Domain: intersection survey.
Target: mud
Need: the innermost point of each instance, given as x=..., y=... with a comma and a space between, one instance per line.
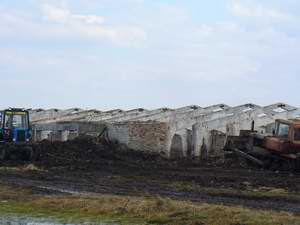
x=82, y=167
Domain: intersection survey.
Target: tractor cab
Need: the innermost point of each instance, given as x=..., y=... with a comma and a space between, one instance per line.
x=286, y=137
x=14, y=126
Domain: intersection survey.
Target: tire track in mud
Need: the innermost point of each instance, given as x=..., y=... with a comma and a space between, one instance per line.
x=136, y=188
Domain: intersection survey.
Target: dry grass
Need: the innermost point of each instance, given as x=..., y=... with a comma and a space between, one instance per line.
x=248, y=192
x=8, y=193
x=24, y=168
x=129, y=210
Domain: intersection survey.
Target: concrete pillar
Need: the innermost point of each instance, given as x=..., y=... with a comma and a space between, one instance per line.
x=201, y=140
x=176, y=147
x=189, y=152
x=196, y=140
x=201, y=137
x=65, y=135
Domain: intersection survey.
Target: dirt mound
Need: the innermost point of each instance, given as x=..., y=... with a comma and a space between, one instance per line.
x=85, y=152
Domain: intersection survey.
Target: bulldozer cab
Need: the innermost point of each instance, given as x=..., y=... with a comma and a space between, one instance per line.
x=1, y=126
x=282, y=129
x=15, y=127
x=288, y=130
x=286, y=137
x=295, y=134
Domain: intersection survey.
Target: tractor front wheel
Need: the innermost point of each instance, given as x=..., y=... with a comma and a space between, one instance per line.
x=3, y=153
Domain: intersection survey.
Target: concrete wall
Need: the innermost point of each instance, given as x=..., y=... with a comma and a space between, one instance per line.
x=233, y=124
x=52, y=114
x=44, y=115
x=124, y=116
x=63, y=131
x=176, y=133
x=230, y=125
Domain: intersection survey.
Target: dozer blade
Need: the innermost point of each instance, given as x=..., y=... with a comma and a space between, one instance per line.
x=249, y=157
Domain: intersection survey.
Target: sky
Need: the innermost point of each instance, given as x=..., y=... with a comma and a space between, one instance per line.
x=126, y=54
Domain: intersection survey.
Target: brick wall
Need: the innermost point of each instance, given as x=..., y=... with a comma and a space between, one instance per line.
x=149, y=137
x=141, y=136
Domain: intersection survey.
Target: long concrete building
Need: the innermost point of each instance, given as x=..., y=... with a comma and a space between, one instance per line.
x=182, y=132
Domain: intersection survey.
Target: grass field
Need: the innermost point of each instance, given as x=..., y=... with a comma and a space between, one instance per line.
x=132, y=210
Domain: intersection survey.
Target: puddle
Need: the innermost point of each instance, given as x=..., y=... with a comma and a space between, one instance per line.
x=12, y=220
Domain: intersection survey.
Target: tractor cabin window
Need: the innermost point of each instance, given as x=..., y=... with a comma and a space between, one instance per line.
x=1, y=120
x=283, y=130
x=19, y=121
x=7, y=122
x=16, y=120
x=297, y=134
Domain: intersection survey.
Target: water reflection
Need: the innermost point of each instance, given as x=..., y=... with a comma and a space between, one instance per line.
x=30, y=221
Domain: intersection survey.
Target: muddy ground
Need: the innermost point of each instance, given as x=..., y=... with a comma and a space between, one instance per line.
x=83, y=167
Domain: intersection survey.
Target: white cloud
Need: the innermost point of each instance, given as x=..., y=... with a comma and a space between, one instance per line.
x=64, y=15
x=62, y=23
x=89, y=19
x=55, y=14
x=90, y=26
x=251, y=9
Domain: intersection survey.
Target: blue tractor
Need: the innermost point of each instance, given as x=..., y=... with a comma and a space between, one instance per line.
x=15, y=135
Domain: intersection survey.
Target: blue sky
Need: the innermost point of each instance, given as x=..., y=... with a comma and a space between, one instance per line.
x=148, y=53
